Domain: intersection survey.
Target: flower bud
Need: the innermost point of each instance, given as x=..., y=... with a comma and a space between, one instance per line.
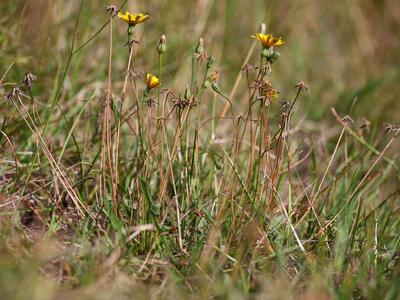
x=187, y=94
x=266, y=52
x=162, y=45
x=210, y=62
x=200, y=47
x=273, y=57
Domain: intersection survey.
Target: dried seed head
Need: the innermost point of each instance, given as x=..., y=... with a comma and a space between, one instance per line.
x=111, y=9
x=388, y=127
x=28, y=79
x=365, y=124
x=15, y=92
x=392, y=129
x=267, y=91
x=301, y=86
x=347, y=119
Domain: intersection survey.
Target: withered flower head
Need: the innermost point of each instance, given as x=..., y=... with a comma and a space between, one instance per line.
x=199, y=53
x=15, y=92
x=267, y=91
x=347, y=119
x=28, y=79
x=302, y=86
x=392, y=129
x=366, y=124
x=112, y=9
x=213, y=76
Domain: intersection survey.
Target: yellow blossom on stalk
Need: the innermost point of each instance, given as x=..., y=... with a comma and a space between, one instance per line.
x=131, y=19
x=267, y=40
x=151, y=81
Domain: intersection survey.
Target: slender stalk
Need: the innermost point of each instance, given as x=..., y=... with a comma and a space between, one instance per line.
x=107, y=156
x=124, y=91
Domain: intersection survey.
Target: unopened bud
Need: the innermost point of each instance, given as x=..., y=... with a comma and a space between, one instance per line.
x=162, y=45
x=210, y=62
x=187, y=95
x=274, y=57
x=267, y=52
x=200, y=47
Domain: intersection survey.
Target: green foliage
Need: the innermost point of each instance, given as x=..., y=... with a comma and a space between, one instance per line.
x=206, y=186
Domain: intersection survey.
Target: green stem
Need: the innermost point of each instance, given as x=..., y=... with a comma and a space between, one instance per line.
x=197, y=125
x=159, y=87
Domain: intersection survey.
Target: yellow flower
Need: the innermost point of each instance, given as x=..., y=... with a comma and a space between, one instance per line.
x=132, y=20
x=151, y=81
x=267, y=40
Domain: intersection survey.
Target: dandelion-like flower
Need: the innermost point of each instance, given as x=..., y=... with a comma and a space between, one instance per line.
x=267, y=40
x=151, y=81
x=132, y=19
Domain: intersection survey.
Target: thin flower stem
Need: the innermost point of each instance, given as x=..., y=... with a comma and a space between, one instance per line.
x=160, y=62
x=195, y=158
x=124, y=90
x=160, y=113
x=107, y=129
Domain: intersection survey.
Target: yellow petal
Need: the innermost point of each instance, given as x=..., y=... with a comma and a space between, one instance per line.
x=132, y=19
x=124, y=17
x=268, y=40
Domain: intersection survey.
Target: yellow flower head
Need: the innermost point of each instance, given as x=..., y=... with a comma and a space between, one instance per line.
x=151, y=81
x=131, y=19
x=267, y=40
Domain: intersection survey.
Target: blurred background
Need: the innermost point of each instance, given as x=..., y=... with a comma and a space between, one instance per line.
x=345, y=50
